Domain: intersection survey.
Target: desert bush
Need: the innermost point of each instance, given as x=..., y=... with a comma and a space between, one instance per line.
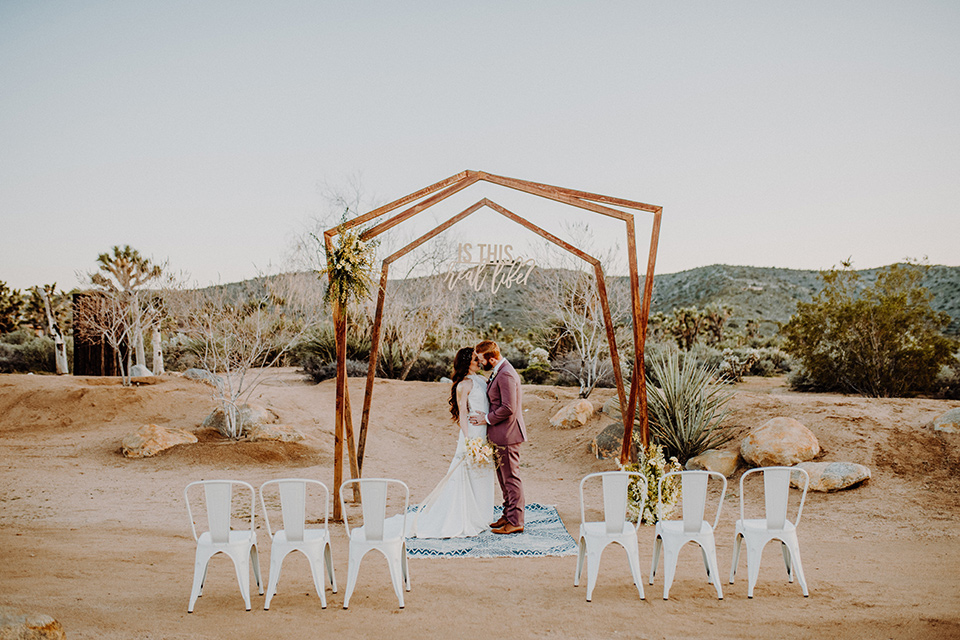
x=537, y=373
x=948, y=380
x=320, y=371
x=432, y=365
x=320, y=346
x=686, y=408
x=883, y=341
x=23, y=352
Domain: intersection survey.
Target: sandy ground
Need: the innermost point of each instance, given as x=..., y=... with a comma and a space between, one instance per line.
x=103, y=543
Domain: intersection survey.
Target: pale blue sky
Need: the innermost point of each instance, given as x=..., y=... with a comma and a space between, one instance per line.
x=788, y=134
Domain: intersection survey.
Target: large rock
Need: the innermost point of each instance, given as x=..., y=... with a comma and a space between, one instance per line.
x=779, y=442
x=725, y=462
x=251, y=416
x=140, y=371
x=16, y=625
x=609, y=442
x=948, y=422
x=612, y=408
x=204, y=376
x=574, y=415
x=830, y=476
x=150, y=440
x=273, y=432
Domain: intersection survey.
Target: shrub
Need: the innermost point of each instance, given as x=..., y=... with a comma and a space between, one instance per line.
x=883, y=341
x=33, y=355
x=320, y=371
x=537, y=373
x=686, y=410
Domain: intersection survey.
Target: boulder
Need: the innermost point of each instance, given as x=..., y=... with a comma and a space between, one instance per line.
x=608, y=443
x=574, y=415
x=779, y=442
x=204, y=376
x=830, y=476
x=273, y=432
x=251, y=416
x=17, y=625
x=725, y=462
x=612, y=408
x=140, y=371
x=150, y=440
x=948, y=422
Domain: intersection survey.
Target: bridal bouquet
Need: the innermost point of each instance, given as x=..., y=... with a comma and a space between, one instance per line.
x=480, y=452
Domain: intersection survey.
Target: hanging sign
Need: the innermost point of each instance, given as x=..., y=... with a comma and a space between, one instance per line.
x=488, y=266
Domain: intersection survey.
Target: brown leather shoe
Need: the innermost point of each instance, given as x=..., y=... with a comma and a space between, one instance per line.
x=509, y=528
x=499, y=523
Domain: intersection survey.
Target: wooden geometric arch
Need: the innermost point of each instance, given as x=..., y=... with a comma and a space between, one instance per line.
x=640, y=308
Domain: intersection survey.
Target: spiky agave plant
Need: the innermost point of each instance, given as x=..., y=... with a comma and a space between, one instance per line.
x=687, y=407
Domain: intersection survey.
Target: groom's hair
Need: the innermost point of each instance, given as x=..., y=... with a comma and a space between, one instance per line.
x=488, y=348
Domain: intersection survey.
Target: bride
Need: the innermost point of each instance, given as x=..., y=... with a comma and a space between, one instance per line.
x=461, y=505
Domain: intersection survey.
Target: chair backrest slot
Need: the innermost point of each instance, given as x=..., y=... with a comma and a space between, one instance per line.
x=373, y=495
x=293, y=505
x=694, y=488
x=218, y=497
x=776, y=491
x=614, y=501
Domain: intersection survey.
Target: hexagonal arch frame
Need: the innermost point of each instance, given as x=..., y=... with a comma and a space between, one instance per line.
x=636, y=405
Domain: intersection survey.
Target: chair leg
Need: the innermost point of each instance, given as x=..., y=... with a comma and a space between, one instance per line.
x=669, y=567
x=709, y=550
x=276, y=562
x=406, y=568
x=242, y=566
x=353, y=567
x=199, y=575
x=255, y=561
x=396, y=576
x=706, y=565
x=794, y=548
x=657, y=545
x=317, y=571
x=633, y=557
x=754, y=554
x=786, y=560
x=581, y=552
x=737, y=540
x=593, y=570
x=328, y=561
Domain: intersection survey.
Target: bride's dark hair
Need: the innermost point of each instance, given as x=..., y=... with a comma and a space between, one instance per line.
x=461, y=367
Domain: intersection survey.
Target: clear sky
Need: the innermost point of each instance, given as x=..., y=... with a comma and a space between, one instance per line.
x=773, y=133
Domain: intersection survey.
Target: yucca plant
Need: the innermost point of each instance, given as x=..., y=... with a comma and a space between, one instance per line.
x=686, y=407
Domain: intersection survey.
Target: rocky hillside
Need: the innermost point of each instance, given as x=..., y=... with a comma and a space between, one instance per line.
x=765, y=293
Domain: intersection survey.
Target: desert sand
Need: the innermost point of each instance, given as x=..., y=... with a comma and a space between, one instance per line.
x=103, y=543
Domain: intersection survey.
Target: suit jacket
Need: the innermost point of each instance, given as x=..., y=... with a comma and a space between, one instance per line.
x=505, y=419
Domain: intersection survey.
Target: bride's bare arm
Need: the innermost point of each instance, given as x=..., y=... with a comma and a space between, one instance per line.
x=463, y=390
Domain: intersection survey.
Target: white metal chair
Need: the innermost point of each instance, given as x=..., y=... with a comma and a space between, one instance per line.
x=671, y=535
x=386, y=535
x=239, y=545
x=595, y=536
x=756, y=533
x=295, y=536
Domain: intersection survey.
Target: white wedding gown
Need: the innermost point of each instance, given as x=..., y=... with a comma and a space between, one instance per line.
x=462, y=504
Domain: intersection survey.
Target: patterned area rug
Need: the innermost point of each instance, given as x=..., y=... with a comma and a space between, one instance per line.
x=543, y=535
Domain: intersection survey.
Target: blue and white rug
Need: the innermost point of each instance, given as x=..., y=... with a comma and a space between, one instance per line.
x=543, y=535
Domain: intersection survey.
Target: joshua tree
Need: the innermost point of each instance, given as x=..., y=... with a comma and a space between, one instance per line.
x=11, y=303
x=124, y=275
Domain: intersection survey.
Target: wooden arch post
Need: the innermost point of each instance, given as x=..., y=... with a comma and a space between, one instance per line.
x=437, y=192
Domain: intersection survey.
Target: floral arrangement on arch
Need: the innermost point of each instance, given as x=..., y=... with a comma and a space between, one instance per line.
x=480, y=452
x=349, y=266
x=653, y=465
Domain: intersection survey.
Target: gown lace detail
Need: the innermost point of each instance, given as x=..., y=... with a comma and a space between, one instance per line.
x=461, y=505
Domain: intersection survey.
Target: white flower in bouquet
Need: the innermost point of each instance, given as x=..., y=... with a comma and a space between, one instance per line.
x=480, y=452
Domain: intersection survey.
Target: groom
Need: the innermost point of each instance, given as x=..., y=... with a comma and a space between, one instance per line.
x=505, y=429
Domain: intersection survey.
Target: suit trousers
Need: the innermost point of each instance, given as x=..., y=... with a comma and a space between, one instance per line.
x=508, y=470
